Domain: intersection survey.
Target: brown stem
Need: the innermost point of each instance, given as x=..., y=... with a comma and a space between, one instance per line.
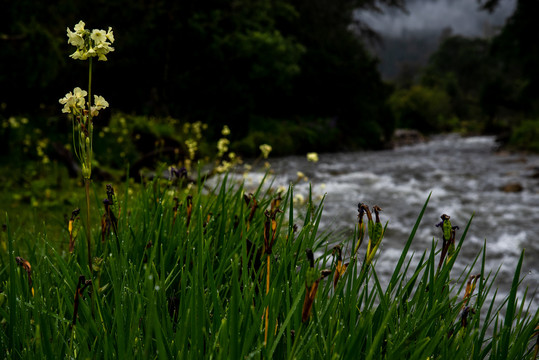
x=267, y=307
x=88, y=235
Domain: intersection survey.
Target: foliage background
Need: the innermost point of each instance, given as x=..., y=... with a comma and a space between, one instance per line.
x=221, y=62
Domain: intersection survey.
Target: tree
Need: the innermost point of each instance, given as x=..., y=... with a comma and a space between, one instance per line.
x=217, y=61
x=338, y=76
x=517, y=47
x=461, y=67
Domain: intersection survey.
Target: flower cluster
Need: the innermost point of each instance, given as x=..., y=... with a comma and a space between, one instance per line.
x=90, y=43
x=222, y=146
x=312, y=156
x=192, y=147
x=265, y=149
x=75, y=103
x=225, y=131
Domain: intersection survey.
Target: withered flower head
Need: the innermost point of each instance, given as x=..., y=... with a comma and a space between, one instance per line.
x=444, y=217
x=366, y=209
x=75, y=213
x=325, y=273
x=110, y=192
x=179, y=173
x=360, y=212
x=337, y=250
x=464, y=315
x=377, y=210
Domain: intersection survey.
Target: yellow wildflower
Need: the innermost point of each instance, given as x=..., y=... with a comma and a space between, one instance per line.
x=265, y=149
x=312, y=156
x=224, y=166
x=99, y=104
x=192, y=147
x=222, y=146
x=301, y=176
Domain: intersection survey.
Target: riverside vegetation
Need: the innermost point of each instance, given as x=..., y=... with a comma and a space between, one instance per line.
x=179, y=269
x=224, y=273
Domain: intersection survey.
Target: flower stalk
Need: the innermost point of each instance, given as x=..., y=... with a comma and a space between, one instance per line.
x=340, y=268
x=81, y=286
x=73, y=228
x=375, y=231
x=448, y=240
x=88, y=233
x=28, y=268
x=270, y=232
x=360, y=227
x=89, y=44
x=311, y=286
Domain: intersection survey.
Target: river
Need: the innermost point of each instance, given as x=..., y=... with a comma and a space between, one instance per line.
x=465, y=176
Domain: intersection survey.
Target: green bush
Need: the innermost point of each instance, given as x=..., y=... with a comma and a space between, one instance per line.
x=525, y=136
x=289, y=137
x=422, y=108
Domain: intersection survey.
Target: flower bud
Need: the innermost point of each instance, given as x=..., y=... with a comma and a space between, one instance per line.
x=86, y=172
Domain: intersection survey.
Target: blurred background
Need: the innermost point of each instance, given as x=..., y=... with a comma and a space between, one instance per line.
x=310, y=75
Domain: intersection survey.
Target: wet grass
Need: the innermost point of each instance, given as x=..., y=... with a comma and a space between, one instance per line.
x=226, y=273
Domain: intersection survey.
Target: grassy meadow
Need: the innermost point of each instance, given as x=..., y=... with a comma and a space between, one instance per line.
x=190, y=272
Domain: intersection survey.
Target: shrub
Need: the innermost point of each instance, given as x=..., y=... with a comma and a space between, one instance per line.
x=421, y=108
x=525, y=136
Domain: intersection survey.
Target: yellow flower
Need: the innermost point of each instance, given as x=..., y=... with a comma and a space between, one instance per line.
x=265, y=149
x=186, y=127
x=90, y=43
x=224, y=166
x=312, y=156
x=222, y=146
x=192, y=147
x=110, y=35
x=80, y=97
x=67, y=101
x=79, y=55
x=196, y=129
x=102, y=49
x=73, y=101
x=225, y=131
x=99, y=104
x=75, y=39
x=79, y=28
x=99, y=36
x=13, y=122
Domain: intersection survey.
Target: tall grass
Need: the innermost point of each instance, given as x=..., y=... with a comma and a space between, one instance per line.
x=187, y=278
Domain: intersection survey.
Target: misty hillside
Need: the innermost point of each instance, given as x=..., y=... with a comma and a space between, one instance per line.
x=409, y=38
